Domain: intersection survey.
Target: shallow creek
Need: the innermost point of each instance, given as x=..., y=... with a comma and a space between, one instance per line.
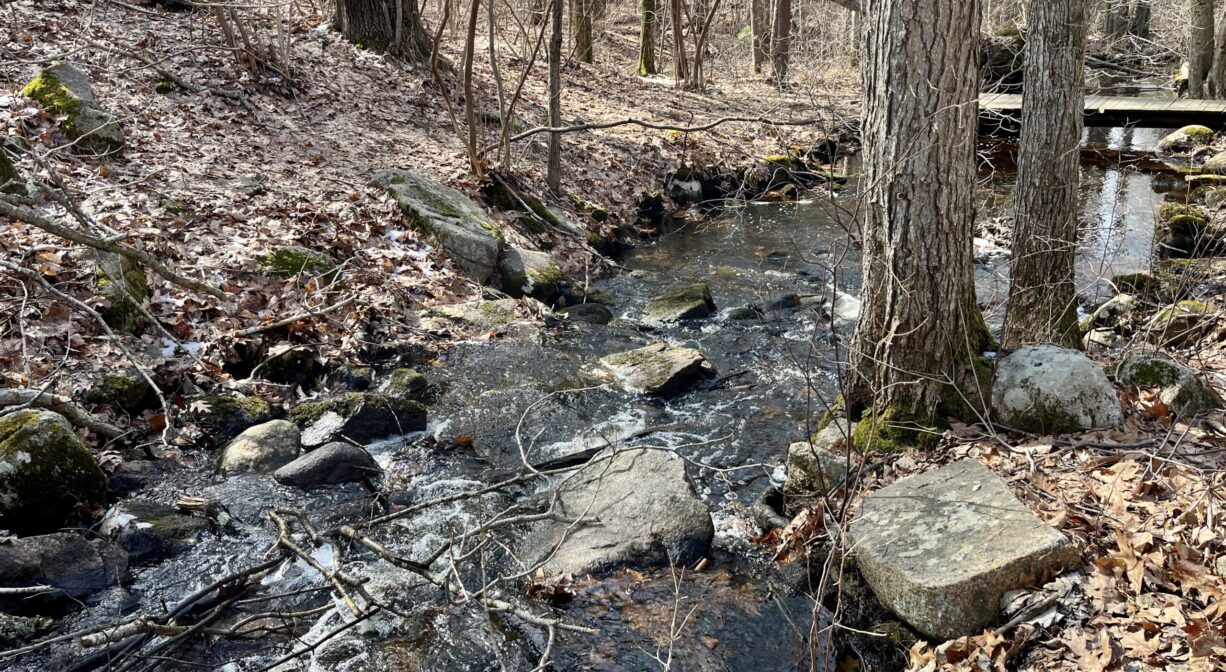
x=775, y=374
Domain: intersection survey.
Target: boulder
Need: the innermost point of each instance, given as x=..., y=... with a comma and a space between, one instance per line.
x=46, y=475
x=483, y=315
x=1143, y=367
x=122, y=283
x=638, y=508
x=405, y=384
x=692, y=302
x=295, y=365
x=72, y=566
x=1116, y=314
x=292, y=260
x=1180, y=323
x=529, y=273
x=261, y=449
x=658, y=369
x=940, y=549
x=1047, y=389
x=1215, y=165
x=127, y=391
x=1098, y=340
x=592, y=313
x=1186, y=139
x=149, y=531
x=462, y=228
x=328, y=465
x=817, y=466
x=1148, y=285
x=64, y=90
x=357, y=416
x=350, y=377
x=1191, y=396
x=223, y=417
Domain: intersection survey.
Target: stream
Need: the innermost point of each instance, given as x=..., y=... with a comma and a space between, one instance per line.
x=775, y=373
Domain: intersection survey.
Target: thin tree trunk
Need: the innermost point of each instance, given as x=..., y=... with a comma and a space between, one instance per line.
x=647, y=38
x=1200, y=47
x=389, y=26
x=581, y=28
x=470, y=114
x=1141, y=13
x=760, y=26
x=1217, y=73
x=698, y=76
x=681, y=69
x=1117, y=21
x=554, y=164
x=1042, y=304
x=919, y=327
x=781, y=41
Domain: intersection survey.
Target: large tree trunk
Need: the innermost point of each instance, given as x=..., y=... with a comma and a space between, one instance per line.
x=553, y=167
x=919, y=327
x=647, y=38
x=760, y=26
x=1200, y=47
x=781, y=41
x=581, y=28
x=389, y=26
x=1216, y=87
x=1042, y=304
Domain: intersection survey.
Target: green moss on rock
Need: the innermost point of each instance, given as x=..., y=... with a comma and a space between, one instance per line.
x=404, y=383
x=891, y=431
x=124, y=390
x=225, y=417
x=52, y=94
x=46, y=474
x=289, y=261
x=123, y=284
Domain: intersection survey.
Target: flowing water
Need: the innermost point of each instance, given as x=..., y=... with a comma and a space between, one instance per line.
x=776, y=372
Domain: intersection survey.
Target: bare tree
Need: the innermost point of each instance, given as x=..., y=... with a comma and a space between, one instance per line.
x=554, y=162
x=1042, y=304
x=1142, y=11
x=391, y=26
x=581, y=12
x=1200, y=47
x=919, y=326
x=781, y=41
x=681, y=67
x=1116, y=22
x=760, y=27
x=648, y=25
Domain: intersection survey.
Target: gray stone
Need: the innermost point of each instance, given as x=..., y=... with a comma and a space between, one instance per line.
x=483, y=315
x=638, y=509
x=46, y=474
x=63, y=89
x=940, y=549
x=1190, y=396
x=658, y=369
x=357, y=416
x=462, y=228
x=1096, y=340
x=223, y=417
x=1186, y=139
x=286, y=364
x=529, y=273
x=592, y=313
x=691, y=302
x=150, y=531
x=1145, y=367
x=1117, y=313
x=818, y=466
x=1179, y=323
x=261, y=449
x=404, y=383
x=328, y=465
x=1047, y=389
x=74, y=567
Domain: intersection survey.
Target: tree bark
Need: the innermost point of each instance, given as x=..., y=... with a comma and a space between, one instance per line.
x=1117, y=21
x=760, y=26
x=781, y=42
x=1142, y=11
x=1200, y=47
x=1042, y=304
x=581, y=28
x=681, y=68
x=553, y=167
x=389, y=26
x=647, y=38
x=919, y=327
x=1216, y=85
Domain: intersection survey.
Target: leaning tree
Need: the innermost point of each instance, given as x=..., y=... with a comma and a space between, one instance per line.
x=920, y=334
x=390, y=26
x=1042, y=303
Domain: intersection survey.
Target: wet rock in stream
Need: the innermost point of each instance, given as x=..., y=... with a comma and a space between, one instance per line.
x=658, y=369
x=692, y=302
x=70, y=565
x=261, y=449
x=149, y=531
x=329, y=465
x=357, y=416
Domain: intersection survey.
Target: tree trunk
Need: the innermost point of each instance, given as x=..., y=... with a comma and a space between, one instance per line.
x=1042, y=304
x=1217, y=73
x=919, y=327
x=553, y=167
x=581, y=27
x=698, y=78
x=1141, y=13
x=781, y=41
x=1117, y=23
x=389, y=26
x=681, y=68
x=1200, y=47
x=647, y=39
x=759, y=25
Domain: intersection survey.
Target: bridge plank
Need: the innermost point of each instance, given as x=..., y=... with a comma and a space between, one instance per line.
x=1154, y=112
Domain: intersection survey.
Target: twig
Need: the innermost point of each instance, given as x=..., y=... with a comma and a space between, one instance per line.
x=62, y=405
x=305, y=315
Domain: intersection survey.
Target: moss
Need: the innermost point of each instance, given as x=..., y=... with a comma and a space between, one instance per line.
x=1171, y=209
x=125, y=390
x=292, y=260
x=225, y=417
x=164, y=86
x=1201, y=134
x=1012, y=32
x=53, y=95
x=124, y=300
x=1155, y=372
x=891, y=431
x=1148, y=285
x=1205, y=179
x=404, y=383
x=343, y=405
x=45, y=473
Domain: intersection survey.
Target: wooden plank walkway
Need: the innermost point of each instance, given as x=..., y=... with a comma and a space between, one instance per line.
x=1123, y=111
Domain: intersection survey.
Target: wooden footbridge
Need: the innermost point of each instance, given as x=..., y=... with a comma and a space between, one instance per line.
x=1120, y=111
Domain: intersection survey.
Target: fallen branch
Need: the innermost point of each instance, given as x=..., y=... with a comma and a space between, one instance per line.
x=305, y=315
x=62, y=405
x=811, y=121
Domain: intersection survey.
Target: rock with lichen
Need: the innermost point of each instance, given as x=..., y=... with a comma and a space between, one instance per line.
x=465, y=232
x=1046, y=389
x=261, y=449
x=1180, y=323
x=691, y=302
x=127, y=390
x=150, y=531
x=223, y=417
x=64, y=91
x=357, y=416
x=530, y=273
x=819, y=465
x=1186, y=139
x=46, y=474
x=658, y=369
x=122, y=283
x=1184, y=391
x=404, y=383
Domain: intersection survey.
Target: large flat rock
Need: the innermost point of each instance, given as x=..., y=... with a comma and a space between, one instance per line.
x=658, y=369
x=941, y=548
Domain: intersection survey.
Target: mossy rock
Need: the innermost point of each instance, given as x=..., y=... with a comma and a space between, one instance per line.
x=1186, y=138
x=1173, y=209
x=1149, y=368
x=10, y=179
x=1180, y=323
x=1149, y=285
x=353, y=377
x=292, y=260
x=357, y=416
x=1191, y=396
x=691, y=302
x=404, y=383
x=530, y=273
x=1216, y=164
x=128, y=391
x=1205, y=179
x=122, y=283
x=890, y=431
x=63, y=90
x=296, y=365
x=150, y=531
x=46, y=474
x=224, y=417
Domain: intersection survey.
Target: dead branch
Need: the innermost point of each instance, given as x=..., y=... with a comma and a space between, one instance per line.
x=809, y=121
x=60, y=404
x=298, y=317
